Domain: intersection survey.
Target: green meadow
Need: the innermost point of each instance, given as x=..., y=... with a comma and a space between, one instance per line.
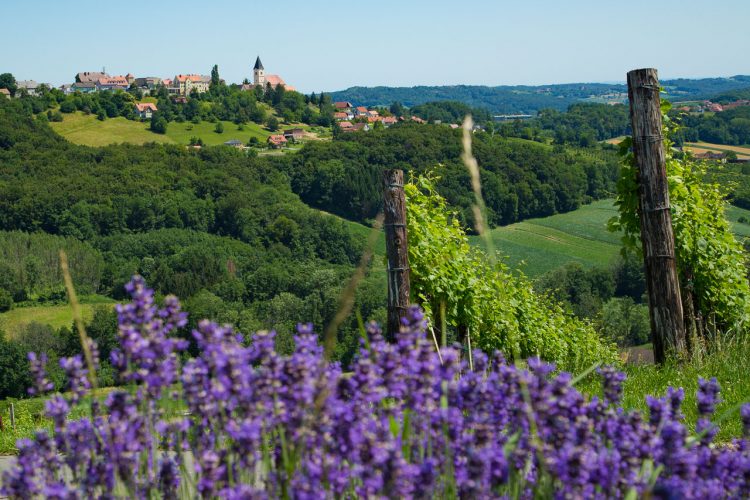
x=87, y=130
x=537, y=246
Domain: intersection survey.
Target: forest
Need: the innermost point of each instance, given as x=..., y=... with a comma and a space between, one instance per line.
x=530, y=99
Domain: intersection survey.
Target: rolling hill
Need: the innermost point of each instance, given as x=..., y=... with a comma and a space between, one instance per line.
x=537, y=246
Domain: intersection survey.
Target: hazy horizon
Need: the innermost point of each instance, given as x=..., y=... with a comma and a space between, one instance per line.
x=336, y=45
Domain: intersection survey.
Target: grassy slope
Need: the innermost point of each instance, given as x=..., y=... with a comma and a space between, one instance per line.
x=87, y=130
x=540, y=245
x=56, y=316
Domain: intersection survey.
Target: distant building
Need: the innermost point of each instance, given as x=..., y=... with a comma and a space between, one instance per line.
x=147, y=83
x=346, y=125
x=112, y=83
x=67, y=88
x=736, y=104
x=130, y=78
x=360, y=127
x=90, y=76
x=30, y=86
x=261, y=78
x=5, y=93
x=294, y=134
x=235, y=143
x=388, y=121
x=343, y=105
x=84, y=87
x=186, y=84
x=276, y=141
x=708, y=155
x=145, y=110
x=360, y=111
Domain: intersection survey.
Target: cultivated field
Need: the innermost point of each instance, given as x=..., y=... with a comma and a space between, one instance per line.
x=537, y=246
x=705, y=147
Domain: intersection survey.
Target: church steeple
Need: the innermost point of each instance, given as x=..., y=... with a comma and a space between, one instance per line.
x=259, y=74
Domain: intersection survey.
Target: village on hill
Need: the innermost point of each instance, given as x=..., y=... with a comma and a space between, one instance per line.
x=145, y=95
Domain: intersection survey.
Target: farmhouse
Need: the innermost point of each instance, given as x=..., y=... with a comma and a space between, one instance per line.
x=388, y=121
x=346, y=125
x=294, y=134
x=30, y=86
x=145, y=110
x=276, y=141
x=343, y=106
x=235, y=143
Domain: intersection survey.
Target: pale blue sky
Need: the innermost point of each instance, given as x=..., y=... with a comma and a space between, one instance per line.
x=331, y=45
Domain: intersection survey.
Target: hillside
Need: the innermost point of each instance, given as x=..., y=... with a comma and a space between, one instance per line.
x=525, y=99
x=537, y=246
x=87, y=130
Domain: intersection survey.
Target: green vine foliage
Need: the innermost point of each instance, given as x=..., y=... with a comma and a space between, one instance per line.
x=710, y=260
x=498, y=309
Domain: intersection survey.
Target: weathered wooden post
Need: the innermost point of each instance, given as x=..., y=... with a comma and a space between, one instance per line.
x=12, y=417
x=396, y=246
x=665, y=305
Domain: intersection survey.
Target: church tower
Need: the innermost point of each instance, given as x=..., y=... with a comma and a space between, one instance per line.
x=259, y=74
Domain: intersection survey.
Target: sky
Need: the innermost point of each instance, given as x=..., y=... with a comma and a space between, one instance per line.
x=332, y=45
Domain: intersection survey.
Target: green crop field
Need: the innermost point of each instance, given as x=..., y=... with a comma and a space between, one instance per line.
x=539, y=245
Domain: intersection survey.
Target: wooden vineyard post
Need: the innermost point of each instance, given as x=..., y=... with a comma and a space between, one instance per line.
x=397, y=250
x=665, y=304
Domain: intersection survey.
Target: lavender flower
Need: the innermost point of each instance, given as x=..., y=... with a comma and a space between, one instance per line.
x=38, y=370
x=402, y=422
x=708, y=396
x=612, y=384
x=78, y=381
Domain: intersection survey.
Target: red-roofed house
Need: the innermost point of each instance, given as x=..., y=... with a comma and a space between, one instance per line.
x=388, y=121
x=342, y=115
x=343, y=105
x=360, y=111
x=417, y=119
x=145, y=110
x=112, y=83
x=360, y=127
x=346, y=125
x=5, y=93
x=276, y=141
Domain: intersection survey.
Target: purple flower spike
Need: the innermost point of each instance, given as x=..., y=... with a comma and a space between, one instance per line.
x=708, y=396
x=38, y=370
x=612, y=384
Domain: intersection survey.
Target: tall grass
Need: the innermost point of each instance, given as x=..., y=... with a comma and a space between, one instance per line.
x=729, y=363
